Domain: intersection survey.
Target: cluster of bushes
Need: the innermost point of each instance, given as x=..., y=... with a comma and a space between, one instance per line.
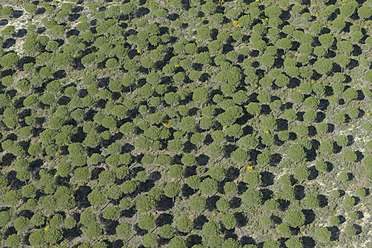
x=185, y=124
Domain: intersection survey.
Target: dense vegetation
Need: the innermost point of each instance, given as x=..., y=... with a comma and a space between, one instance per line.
x=181, y=123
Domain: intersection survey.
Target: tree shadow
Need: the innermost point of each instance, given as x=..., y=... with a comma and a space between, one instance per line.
x=129, y=213
x=267, y=178
x=7, y=159
x=275, y=159
x=358, y=229
x=155, y=176
x=241, y=219
x=165, y=203
x=266, y=194
x=3, y=22
x=117, y=244
x=235, y=202
x=199, y=222
x=9, y=43
x=283, y=204
x=21, y=33
x=232, y=173
x=276, y=219
x=313, y=173
x=323, y=201
x=202, y=159
x=282, y=124
x=310, y=216
x=335, y=232
x=164, y=219
x=211, y=202
x=187, y=191
x=111, y=227
x=17, y=13
x=194, y=240
x=81, y=196
x=26, y=213
x=360, y=156
x=242, y=187
x=72, y=233
x=246, y=240
x=308, y=242
x=139, y=231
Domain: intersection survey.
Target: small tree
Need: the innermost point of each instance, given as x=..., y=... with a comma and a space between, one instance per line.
x=124, y=230
x=146, y=222
x=209, y=186
x=13, y=240
x=322, y=235
x=349, y=156
x=296, y=153
x=350, y=230
x=111, y=213
x=184, y=224
x=9, y=60
x=229, y=221
x=301, y=173
x=295, y=218
x=172, y=189
x=252, y=198
x=253, y=178
x=166, y=231
x=284, y=230
x=311, y=202
x=150, y=240
x=94, y=230
x=197, y=204
x=294, y=243
x=271, y=205
x=53, y=235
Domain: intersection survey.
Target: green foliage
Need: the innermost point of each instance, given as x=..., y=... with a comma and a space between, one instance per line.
x=301, y=173
x=311, y=202
x=217, y=173
x=166, y=231
x=37, y=238
x=208, y=186
x=53, y=235
x=172, y=189
x=350, y=230
x=271, y=205
x=294, y=243
x=12, y=197
x=296, y=153
x=97, y=198
x=284, y=230
x=108, y=121
x=13, y=240
x=184, y=224
x=94, y=230
x=111, y=213
x=295, y=218
x=210, y=232
x=9, y=60
x=229, y=221
x=253, y=178
x=197, y=204
x=271, y=244
x=322, y=235
x=252, y=198
x=150, y=240
x=21, y=223
x=177, y=242
x=146, y=222
x=124, y=230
